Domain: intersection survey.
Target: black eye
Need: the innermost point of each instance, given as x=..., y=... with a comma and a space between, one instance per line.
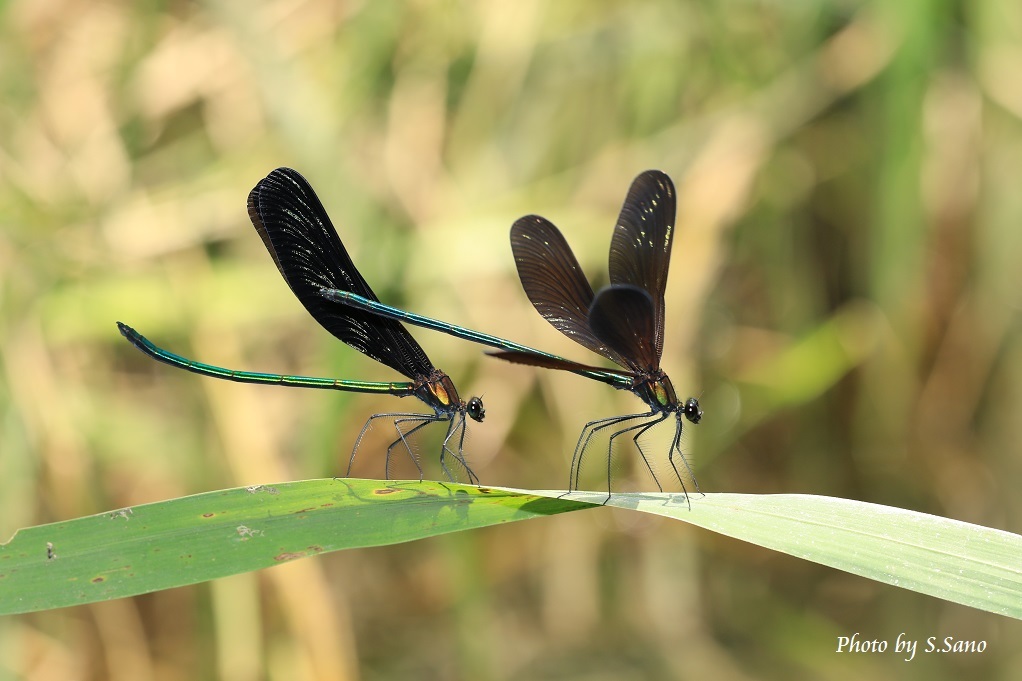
x=692, y=411
x=475, y=409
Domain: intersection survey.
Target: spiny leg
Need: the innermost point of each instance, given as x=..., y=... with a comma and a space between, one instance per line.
x=366, y=427
x=580, y=447
x=576, y=463
x=643, y=428
x=610, y=447
x=473, y=479
x=594, y=428
x=451, y=426
x=572, y=478
x=676, y=446
x=426, y=419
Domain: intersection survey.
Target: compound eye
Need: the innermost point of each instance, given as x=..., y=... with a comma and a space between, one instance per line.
x=475, y=409
x=692, y=411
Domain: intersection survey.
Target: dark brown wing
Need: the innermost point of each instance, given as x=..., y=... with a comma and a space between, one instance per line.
x=640, y=250
x=624, y=318
x=554, y=282
x=619, y=379
x=303, y=243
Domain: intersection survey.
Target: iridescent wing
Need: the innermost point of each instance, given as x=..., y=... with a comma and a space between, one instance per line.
x=303, y=243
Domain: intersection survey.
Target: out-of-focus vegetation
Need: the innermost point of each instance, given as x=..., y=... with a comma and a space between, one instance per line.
x=844, y=298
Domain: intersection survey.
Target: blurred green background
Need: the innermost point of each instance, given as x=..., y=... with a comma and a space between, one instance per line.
x=844, y=298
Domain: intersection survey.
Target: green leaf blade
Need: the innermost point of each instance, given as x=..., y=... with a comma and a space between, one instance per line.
x=953, y=560
x=202, y=537
x=216, y=534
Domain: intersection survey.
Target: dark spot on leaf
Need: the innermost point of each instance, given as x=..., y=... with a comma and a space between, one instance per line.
x=280, y=557
x=381, y=492
x=306, y=510
x=208, y=515
x=328, y=505
x=315, y=548
x=98, y=580
x=485, y=490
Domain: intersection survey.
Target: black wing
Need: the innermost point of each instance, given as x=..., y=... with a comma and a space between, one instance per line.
x=304, y=245
x=623, y=317
x=640, y=250
x=554, y=282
